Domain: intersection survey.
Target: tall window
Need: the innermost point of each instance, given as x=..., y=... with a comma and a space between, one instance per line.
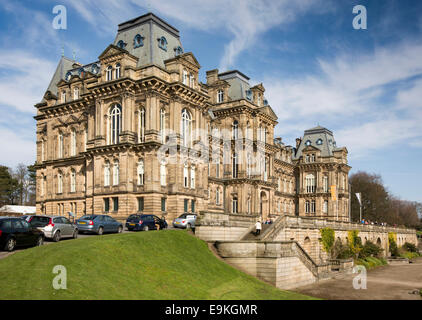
x=60, y=145
x=234, y=205
x=217, y=169
x=185, y=176
x=185, y=77
x=106, y=204
x=163, y=176
x=76, y=93
x=220, y=96
x=109, y=73
x=116, y=173
x=73, y=143
x=310, y=183
x=140, y=204
x=192, y=177
x=115, y=123
x=141, y=125
x=325, y=183
x=235, y=130
x=307, y=206
x=235, y=165
x=186, y=128
x=185, y=205
x=191, y=80
x=163, y=125
x=63, y=96
x=115, y=204
x=141, y=172
x=217, y=196
x=73, y=181
x=118, y=67
x=163, y=204
x=107, y=174
x=313, y=206
x=325, y=207
x=60, y=183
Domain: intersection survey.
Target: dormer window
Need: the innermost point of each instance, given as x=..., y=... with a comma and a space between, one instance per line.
x=95, y=68
x=138, y=41
x=220, y=96
x=308, y=143
x=81, y=72
x=118, y=67
x=178, y=51
x=249, y=95
x=121, y=44
x=109, y=74
x=265, y=102
x=68, y=76
x=319, y=142
x=162, y=43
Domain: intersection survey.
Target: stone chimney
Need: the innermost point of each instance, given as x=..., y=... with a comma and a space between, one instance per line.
x=212, y=76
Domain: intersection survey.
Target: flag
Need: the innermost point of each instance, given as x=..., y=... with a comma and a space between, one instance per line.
x=358, y=195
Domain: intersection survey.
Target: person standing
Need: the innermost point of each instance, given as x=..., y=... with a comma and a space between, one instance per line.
x=258, y=228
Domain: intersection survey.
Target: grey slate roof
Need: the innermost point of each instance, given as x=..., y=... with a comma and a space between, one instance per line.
x=313, y=135
x=239, y=84
x=151, y=28
x=65, y=64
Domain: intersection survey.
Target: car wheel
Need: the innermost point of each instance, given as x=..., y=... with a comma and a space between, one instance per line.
x=100, y=231
x=10, y=245
x=145, y=228
x=40, y=241
x=75, y=234
x=56, y=237
x=119, y=230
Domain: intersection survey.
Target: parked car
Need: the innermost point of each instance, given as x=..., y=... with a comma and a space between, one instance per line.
x=185, y=221
x=145, y=222
x=54, y=227
x=98, y=224
x=16, y=232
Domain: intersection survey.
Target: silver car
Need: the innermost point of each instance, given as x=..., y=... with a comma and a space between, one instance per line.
x=54, y=227
x=185, y=221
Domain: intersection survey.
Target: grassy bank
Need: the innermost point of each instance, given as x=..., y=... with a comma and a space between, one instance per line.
x=146, y=265
x=371, y=262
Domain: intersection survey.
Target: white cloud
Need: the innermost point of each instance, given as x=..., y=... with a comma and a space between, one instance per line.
x=16, y=148
x=245, y=20
x=373, y=99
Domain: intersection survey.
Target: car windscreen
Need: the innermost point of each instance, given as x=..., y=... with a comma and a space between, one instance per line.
x=147, y=218
x=39, y=221
x=183, y=216
x=134, y=217
x=5, y=224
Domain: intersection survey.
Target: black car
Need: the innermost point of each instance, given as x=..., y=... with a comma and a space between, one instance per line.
x=145, y=222
x=17, y=232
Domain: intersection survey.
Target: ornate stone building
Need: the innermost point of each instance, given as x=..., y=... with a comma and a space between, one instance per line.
x=136, y=131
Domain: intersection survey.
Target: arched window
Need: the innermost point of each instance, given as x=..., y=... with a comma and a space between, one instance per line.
x=109, y=73
x=141, y=125
x=73, y=180
x=73, y=143
x=185, y=77
x=63, y=96
x=313, y=206
x=191, y=80
x=107, y=174
x=234, y=205
x=60, y=145
x=162, y=43
x=121, y=44
x=115, y=123
x=60, y=183
x=185, y=176
x=163, y=175
x=310, y=183
x=192, y=177
x=325, y=206
x=186, y=128
x=220, y=96
x=235, y=130
x=118, y=67
x=116, y=170
x=163, y=125
x=137, y=41
x=325, y=183
x=178, y=51
x=307, y=206
x=141, y=172
x=76, y=93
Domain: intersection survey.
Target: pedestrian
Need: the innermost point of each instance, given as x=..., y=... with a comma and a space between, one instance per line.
x=258, y=228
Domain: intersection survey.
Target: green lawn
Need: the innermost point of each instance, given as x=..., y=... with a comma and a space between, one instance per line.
x=145, y=265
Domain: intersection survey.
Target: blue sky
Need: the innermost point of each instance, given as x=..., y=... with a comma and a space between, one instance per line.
x=365, y=85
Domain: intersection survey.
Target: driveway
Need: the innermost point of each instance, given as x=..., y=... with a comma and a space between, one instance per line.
x=391, y=282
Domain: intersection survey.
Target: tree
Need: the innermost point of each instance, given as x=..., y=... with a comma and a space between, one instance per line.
x=32, y=176
x=8, y=187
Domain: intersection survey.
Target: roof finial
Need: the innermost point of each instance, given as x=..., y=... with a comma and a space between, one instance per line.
x=149, y=6
x=62, y=50
x=74, y=55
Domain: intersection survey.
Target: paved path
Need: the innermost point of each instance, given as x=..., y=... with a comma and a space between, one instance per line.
x=392, y=282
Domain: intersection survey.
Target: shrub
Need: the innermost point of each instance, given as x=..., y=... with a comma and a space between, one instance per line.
x=370, y=249
x=410, y=247
x=355, y=242
x=341, y=251
x=327, y=239
x=392, y=236
x=371, y=262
